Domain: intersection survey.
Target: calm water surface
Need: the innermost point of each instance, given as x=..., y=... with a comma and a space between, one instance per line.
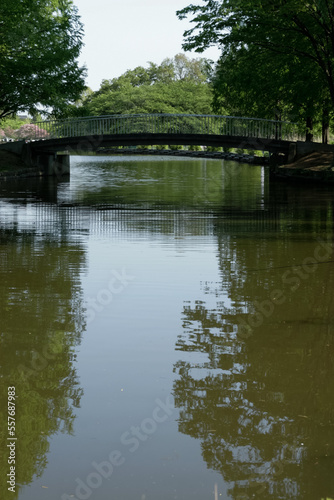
x=168, y=327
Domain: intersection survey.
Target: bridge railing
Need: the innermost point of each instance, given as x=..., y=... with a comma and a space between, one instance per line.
x=167, y=124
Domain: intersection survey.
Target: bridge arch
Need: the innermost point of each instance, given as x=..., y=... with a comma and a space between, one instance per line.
x=91, y=133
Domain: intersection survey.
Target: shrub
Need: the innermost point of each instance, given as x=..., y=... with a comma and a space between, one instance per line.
x=31, y=131
x=9, y=132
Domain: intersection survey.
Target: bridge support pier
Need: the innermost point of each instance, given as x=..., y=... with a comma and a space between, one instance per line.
x=46, y=163
x=53, y=164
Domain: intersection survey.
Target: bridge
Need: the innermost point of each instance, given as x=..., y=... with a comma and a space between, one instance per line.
x=88, y=134
x=144, y=129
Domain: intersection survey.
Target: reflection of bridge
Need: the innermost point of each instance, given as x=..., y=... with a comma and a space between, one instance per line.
x=71, y=220
x=91, y=133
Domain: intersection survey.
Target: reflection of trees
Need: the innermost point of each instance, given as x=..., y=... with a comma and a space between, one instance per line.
x=41, y=323
x=158, y=184
x=262, y=405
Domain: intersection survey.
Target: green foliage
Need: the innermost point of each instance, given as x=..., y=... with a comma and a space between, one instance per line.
x=179, y=68
x=39, y=45
x=15, y=122
x=175, y=97
x=178, y=85
x=277, y=59
x=250, y=82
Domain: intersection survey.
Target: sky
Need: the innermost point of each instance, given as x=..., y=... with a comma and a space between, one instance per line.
x=123, y=34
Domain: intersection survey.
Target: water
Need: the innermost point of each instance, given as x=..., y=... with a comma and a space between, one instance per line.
x=167, y=325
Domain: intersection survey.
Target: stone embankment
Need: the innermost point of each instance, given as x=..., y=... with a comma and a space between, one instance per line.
x=317, y=166
x=11, y=166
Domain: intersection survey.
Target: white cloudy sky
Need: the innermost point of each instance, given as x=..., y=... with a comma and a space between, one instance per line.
x=123, y=34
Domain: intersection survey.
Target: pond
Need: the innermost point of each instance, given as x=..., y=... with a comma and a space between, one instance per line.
x=166, y=333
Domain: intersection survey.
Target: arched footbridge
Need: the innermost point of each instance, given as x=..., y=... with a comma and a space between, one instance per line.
x=91, y=133
x=95, y=133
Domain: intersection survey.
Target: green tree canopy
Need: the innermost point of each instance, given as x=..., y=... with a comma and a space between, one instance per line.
x=250, y=82
x=175, y=97
x=178, y=68
x=177, y=85
x=39, y=46
x=293, y=40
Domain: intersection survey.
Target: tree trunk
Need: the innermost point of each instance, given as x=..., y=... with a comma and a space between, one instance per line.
x=325, y=125
x=278, y=126
x=309, y=129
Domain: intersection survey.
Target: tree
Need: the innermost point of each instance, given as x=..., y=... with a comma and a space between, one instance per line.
x=248, y=81
x=302, y=34
x=175, y=97
x=163, y=72
x=39, y=45
x=177, y=85
x=197, y=70
x=179, y=68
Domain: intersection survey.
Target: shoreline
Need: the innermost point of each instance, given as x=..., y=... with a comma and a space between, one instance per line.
x=317, y=166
